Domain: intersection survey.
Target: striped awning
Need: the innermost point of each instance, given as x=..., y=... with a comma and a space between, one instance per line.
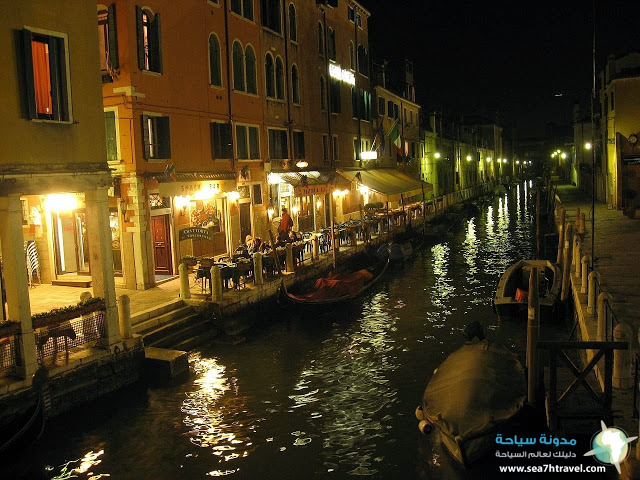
x=388, y=181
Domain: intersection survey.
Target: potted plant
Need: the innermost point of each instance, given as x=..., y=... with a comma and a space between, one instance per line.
x=207, y=262
x=189, y=260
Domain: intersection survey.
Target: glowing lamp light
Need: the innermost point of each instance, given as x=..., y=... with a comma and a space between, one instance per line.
x=369, y=155
x=436, y=155
x=318, y=204
x=363, y=189
x=61, y=202
x=488, y=159
x=274, y=178
x=517, y=162
x=564, y=155
x=205, y=193
x=233, y=196
x=468, y=158
x=271, y=210
x=340, y=74
x=588, y=145
x=302, y=164
x=295, y=209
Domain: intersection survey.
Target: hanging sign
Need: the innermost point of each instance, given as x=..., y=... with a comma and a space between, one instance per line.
x=197, y=233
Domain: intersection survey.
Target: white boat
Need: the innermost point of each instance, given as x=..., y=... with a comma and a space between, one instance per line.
x=512, y=298
x=474, y=392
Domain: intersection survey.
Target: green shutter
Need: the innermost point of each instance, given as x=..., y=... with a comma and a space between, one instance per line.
x=113, y=37
x=54, y=73
x=214, y=139
x=30, y=92
x=157, y=35
x=164, y=137
x=110, y=131
x=226, y=136
x=254, y=144
x=140, y=38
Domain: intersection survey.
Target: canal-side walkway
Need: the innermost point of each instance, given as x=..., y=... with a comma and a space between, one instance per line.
x=617, y=260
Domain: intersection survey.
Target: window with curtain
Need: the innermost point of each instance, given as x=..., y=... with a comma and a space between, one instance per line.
x=238, y=67
x=293, y=26
x=46, y=76
x=108, y=41
x=323, y=93
x=149, y=40
x=295, y=85
x=250, y=61
x=215, y=70
x=269, y=76
x=279, y=78
x=320, y=39
x=156, y=137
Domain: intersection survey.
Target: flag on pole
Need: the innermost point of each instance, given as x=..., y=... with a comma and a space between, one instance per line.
x=378, y=137
x=394, y=136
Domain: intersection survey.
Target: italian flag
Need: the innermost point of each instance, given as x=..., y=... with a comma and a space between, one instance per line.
x=394, y=136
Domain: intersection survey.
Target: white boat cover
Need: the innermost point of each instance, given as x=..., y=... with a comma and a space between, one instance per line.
x=477, y=387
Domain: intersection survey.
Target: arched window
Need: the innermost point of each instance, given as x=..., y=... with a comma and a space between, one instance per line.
x=269, y=76
x=293, y=26
x=320, y=39
x=331, y=44
x=279, y=79
x=352, y=57
x=250, y=62
x=295, y=85
x=215, y=70
x=238, y=67
x=323, y=94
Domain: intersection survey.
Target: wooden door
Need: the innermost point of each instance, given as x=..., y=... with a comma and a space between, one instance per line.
x=245, y=220
x=161, y=245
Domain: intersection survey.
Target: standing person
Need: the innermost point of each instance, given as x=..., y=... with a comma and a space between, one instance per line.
x=286, y=223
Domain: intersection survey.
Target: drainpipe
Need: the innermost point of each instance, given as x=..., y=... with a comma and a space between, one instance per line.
x=289, y=123
x=229, y=85
x=355, y=58
x=328, y=85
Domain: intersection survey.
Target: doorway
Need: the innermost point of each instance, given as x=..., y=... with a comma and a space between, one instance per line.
x=245, y=220
x=71, y=245
x=161, y=245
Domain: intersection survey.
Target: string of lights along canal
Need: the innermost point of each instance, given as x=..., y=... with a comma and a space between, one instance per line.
x=331, y=397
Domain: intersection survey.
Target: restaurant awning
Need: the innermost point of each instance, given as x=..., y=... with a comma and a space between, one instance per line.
x=315, y=183
x=389, y=182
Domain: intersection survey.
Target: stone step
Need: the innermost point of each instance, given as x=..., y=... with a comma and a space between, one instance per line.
x=162, y=363
x=162, y=319
x=139, y=317
x=191, y=326
x=204, y=338
x=179, y=320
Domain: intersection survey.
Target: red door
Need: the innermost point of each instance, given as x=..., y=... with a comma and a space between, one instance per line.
x=161, y=245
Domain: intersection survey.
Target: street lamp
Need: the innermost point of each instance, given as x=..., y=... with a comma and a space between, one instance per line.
x=588, y=146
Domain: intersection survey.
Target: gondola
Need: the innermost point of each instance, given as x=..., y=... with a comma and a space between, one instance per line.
x=337, y=289
x=476, y=392
x=512, y=293
x=405, y=246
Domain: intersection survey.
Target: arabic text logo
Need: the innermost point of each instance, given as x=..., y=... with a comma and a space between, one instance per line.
x=610, y=446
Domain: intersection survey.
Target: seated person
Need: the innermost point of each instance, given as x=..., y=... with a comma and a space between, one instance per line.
x=255, y=245
x=293, y=237
x=265, y=247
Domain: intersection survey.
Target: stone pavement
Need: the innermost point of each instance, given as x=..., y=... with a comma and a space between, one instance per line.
x=617, y=251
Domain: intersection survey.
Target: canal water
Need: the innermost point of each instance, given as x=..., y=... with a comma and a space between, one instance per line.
x=330, y=397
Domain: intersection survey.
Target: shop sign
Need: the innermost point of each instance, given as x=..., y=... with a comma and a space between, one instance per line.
x=341, y=74
x=206, y=187
x=190, y=188
x=311, y=190
x=197, y=233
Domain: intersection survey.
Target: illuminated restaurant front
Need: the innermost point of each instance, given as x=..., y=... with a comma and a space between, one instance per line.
x=196, y=201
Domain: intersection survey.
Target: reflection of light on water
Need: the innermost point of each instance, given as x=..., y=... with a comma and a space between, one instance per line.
x=345, y=391
x=84, y=465
x=216, y=413
x=443, y=286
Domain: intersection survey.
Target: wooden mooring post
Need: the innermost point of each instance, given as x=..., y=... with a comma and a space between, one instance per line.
x=533, y=334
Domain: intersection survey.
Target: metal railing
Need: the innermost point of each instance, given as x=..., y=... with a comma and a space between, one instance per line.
x=8, y=348
x=597, y=289
x=611, y=321
x=69, y=334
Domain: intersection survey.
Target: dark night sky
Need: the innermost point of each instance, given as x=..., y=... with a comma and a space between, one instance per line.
x=476, y=57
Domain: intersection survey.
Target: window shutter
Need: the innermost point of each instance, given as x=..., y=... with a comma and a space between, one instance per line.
x=227, y=140
x=157, y=35
x=164, y=137
x=254, y=144
x=110, y=130
x=215, y=140
x=54, y=73
x=146, y=151
x=30, y=92
x=140, y=38
x=113, y=37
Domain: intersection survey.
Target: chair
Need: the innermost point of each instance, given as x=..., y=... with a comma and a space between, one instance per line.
x=33, y=263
